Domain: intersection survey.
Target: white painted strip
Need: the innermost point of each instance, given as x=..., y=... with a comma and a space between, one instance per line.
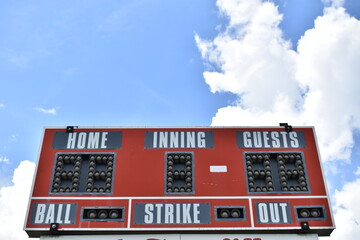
x=251, y=213
x=323, y=175
x=174, y=127
x=178, y=236
x=218, y=168
x=178, y=197
x=129, y=213
x=33, y=181
x=182, y=229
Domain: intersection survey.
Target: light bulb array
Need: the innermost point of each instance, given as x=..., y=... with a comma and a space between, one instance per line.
x=230, y=213
x=103, y=214
x=276, y=172
x=179, y=172
x=83, y=173
x=310, y=212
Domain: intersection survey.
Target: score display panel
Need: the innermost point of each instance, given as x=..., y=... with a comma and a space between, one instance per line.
x=171, y=180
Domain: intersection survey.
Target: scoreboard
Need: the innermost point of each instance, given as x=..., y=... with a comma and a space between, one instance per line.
x=133, y=181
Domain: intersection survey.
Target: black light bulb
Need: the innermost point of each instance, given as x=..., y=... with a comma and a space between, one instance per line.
x=102, y=214
x=225, y=213
x=114, y=214
x=305, y=213
x=235, y=213
x=91, y=214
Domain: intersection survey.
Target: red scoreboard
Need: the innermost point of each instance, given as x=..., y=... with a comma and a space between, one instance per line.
x=179, y=180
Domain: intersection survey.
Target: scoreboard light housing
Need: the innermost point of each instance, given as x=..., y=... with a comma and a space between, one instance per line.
x=203, y=180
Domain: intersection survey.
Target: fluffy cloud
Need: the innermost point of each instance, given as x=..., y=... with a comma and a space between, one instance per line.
x=315, y=85
x=326, y=66
x=4, y=159
x=2, y=105
x=358, y=171
x=13, y=202
x=347, y=209
x=250, y=53
x=335, y=3
x=51, y=111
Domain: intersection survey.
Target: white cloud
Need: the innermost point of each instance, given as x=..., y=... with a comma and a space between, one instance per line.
x=14, y=201
x=316, y=85
x=4, y=159
x=347, y=216
x=327, y=56
x=335, y=3
x=2, y=105
x=251, y=54
x=357, y=173
x=13, y=138
x=51, y=111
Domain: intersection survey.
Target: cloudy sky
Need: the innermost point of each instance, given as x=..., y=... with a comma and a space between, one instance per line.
x=180, y=63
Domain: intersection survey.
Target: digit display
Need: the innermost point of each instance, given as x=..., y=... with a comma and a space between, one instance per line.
x=276, y=172
x=83, y=173
x=179, y=172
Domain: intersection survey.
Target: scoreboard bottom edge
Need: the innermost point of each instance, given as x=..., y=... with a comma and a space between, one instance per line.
x=38, y=232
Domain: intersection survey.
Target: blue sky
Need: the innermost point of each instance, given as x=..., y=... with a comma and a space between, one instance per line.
x=153, y=63
x=116, y=64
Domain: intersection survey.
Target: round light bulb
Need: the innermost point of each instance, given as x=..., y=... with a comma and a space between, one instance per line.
x=304, y=213
x=114, y=214
x=315, y=213
x=235, y=213
x=224, y=213
x=102, y=214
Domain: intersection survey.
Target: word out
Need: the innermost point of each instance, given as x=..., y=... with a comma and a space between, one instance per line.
x=273, y=213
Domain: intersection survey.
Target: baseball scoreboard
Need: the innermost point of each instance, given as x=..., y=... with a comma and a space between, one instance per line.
x=216, y=181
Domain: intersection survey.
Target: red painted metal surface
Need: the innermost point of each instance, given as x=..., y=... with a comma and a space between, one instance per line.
x=139, y=178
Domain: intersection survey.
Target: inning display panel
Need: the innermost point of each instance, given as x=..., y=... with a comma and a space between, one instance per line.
x=238, y=180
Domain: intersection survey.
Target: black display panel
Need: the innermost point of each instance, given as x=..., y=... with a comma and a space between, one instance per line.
x=274, y=172
x=82, y=173
x=179, y=174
